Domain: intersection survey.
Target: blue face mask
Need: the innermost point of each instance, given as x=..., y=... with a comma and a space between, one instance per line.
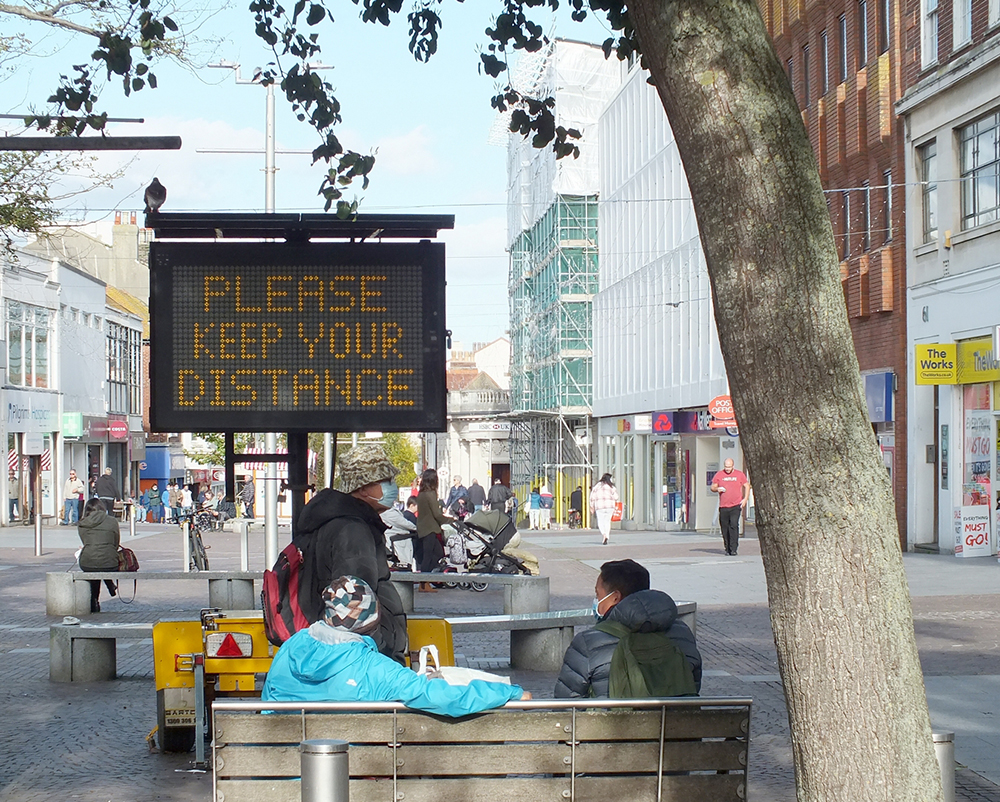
x=593, y=608
x=390, y=493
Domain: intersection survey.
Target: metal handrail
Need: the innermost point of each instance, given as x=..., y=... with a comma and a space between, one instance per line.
x=253, y=706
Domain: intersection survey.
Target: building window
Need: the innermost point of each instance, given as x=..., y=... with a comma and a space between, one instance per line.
x=805, y=74
x=930, y=32
x=124, y=358
x=27, y=345
x=842, y=42
x=994, y=12
x=980, y=160
x=866, y=215
x=862, y=33
x=884, y=12
x=824, y=54
x=962, y=22
x=887, y=207
x=846, y=223
x=927, y=156
x=790, y=66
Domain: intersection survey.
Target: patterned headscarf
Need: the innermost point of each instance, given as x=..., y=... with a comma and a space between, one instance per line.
x=351, y=604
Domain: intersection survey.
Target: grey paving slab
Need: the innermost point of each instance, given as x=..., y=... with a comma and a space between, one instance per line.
x=969, y=707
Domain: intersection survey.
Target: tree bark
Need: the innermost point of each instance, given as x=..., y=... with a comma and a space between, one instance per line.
x=839, y=602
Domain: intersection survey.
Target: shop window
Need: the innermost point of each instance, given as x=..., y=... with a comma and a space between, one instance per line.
x=980, y=163
x=27, y=344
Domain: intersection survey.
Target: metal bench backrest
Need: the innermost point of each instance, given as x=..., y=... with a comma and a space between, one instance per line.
x=673, y=749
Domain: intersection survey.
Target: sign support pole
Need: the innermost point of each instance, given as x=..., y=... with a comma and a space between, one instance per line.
x=298, y=472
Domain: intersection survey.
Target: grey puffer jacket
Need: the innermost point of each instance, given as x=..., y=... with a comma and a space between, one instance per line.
x=586, y=667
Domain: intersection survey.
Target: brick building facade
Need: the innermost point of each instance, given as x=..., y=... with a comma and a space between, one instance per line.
x=843, y=59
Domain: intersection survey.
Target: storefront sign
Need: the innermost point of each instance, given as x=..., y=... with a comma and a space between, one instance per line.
x=643, y=424
x=500, y=427
x=32, y=412
x=72, y=424
x=95, y=429
x=878, y=396
x=721, y=410
x=663, y=422
x=624, y=425
x=972, y=531
x=935, y=363
x=690, y=422
x=978, y=457
x=297, y=337
x=117, y=430
x=977, y=362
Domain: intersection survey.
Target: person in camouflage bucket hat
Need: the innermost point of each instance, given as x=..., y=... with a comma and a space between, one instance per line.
x=341, y=534
x=364, y=465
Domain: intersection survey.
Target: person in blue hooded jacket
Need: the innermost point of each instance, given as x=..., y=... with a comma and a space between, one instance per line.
x=335, y=660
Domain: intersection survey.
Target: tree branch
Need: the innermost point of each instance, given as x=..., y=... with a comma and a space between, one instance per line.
x=48, y=19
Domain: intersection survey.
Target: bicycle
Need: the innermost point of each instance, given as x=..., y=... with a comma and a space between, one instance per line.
x=197, y=523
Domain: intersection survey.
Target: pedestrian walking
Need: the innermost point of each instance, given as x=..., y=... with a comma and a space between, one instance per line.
x=498, y=496
x=248, y=494
x=106, y=489
x=534, y=508
x=153, y=502
x=603, y=500
x=548, y=503
x=174, y=500
x=430, y=521
x=477, y=496
x=734, y=490
x=72, y=493
x=13, y=496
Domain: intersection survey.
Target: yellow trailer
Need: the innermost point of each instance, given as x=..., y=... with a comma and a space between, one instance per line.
x=225, y=654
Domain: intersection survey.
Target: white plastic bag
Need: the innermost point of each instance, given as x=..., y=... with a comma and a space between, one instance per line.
x=453, y=675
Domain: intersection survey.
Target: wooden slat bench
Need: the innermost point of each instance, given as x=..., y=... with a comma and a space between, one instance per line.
x=584, y=750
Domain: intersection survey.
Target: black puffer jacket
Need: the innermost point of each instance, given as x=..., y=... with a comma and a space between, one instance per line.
x=587, y=665
x=342, y=536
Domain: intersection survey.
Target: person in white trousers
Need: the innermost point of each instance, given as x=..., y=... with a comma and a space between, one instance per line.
x=603, y=498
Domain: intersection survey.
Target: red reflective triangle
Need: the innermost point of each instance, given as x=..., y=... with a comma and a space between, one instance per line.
x=229, y=647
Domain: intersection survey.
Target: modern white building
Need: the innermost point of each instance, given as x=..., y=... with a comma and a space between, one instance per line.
x=952, y=120
x=657, y=361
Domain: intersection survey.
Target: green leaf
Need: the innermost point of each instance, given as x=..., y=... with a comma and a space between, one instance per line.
x=316, y=14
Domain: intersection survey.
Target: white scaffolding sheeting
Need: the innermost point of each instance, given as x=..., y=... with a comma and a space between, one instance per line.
x=582, y=81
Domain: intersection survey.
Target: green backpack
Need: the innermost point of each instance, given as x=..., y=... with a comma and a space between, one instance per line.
x=646, y=665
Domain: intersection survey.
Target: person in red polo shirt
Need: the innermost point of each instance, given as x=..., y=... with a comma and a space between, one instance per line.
x=734, y=490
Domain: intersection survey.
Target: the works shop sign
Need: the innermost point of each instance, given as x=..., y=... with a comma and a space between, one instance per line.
x=297, y=337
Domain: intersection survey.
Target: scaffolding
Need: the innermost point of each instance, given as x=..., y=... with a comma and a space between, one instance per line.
x=552, y=236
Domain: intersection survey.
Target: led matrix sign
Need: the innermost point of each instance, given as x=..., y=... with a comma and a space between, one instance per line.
x=297, y=337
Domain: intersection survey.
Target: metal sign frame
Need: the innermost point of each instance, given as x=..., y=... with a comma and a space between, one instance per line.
x=169, y=260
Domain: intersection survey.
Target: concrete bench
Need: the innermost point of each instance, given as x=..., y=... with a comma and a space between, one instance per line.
x=89, y=652
x=522, y=594
x=680, y=750
x=67, y=592
x=538, y=641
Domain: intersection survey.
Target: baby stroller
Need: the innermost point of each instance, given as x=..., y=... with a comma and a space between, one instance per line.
x=493, y=530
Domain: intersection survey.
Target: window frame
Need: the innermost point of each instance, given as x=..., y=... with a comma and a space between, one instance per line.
x=974, y=176
x=806, y=88
x=887, y=207
x=842, y=42
x=862, y=33
x=824, y=54
x=927, y=159
x=866, y=216
x=961, y=23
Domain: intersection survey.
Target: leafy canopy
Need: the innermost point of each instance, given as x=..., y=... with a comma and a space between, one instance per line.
x=134, y=35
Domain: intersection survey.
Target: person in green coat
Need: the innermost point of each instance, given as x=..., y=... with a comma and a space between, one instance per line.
x=101, y=537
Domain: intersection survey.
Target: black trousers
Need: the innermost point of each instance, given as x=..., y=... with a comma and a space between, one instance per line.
x=729, y=522
x=431, y=552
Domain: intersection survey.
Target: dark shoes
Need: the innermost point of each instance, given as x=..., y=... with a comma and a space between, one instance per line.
x=95, y=606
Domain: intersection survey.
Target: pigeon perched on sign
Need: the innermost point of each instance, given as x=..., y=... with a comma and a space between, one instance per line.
x=156, y=194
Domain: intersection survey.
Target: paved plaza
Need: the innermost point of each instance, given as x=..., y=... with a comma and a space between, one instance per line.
x=88, y=742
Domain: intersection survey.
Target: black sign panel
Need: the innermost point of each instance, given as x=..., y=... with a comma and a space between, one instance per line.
x=263, y=337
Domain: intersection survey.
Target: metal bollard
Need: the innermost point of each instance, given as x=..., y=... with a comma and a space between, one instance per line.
x=944, y=749
x=325, y=774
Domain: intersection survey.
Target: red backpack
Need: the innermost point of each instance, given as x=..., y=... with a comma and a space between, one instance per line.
x=283, y=616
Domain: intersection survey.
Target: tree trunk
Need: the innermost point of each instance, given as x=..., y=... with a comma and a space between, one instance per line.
x=840, y=607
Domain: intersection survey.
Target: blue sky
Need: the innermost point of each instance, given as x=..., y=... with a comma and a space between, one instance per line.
x=428, y=122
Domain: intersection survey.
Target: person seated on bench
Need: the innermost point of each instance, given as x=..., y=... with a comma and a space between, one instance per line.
x=100, y=535
x=622, y=596
x=335, y=660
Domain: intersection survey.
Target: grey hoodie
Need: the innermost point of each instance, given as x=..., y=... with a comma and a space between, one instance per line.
x=587, y=665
